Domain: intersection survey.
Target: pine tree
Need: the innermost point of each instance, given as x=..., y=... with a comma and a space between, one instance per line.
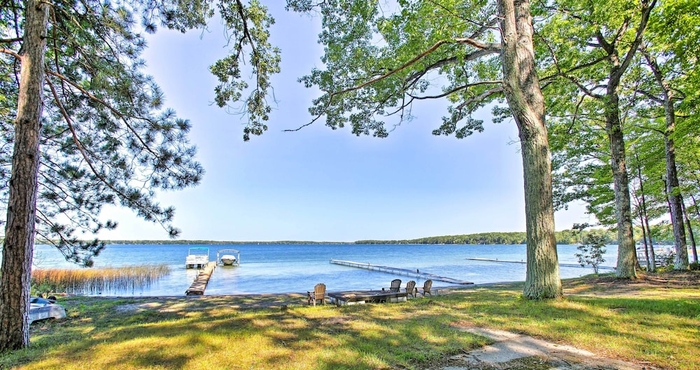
x=84, y=127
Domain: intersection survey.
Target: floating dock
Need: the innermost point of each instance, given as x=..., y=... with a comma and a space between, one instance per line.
x=361, y=297
x=523, y=262
x=400, y=271
x=202, y=279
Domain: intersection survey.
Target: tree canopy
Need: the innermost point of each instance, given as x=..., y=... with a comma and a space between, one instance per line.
x=655, y=108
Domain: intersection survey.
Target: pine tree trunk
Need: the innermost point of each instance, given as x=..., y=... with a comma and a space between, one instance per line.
x=21, y=208
x=522, y=91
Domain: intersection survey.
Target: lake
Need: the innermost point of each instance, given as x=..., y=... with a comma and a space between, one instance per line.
x=296, y=268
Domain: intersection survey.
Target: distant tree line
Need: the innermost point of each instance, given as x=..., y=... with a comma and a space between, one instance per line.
x=664, y=235
x=205, y=242
x=661, y=234
x=563, y=237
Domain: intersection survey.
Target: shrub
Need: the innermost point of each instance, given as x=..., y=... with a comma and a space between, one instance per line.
x=592, y=251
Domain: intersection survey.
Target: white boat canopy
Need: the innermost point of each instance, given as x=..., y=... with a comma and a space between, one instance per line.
x=228, y=254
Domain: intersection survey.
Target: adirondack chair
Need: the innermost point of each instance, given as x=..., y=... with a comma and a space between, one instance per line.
x=427, y=286
x=395, y=285
x=319, y=294
x=411, y=288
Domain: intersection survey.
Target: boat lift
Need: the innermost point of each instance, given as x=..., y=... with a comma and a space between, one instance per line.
x=221, y=255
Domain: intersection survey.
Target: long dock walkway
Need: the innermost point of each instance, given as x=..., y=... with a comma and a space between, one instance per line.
x=523, y=262
x=202, y=279
x=400, y=271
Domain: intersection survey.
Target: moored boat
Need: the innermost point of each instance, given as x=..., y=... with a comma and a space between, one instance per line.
x=197, y=257
x=228, y=257
x=41, y=308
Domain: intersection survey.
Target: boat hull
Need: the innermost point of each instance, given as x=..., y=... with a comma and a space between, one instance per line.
x=228, y=260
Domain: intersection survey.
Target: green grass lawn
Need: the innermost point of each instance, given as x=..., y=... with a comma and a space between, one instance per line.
x=649, y=322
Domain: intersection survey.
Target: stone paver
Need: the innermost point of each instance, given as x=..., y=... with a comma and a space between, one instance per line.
x=510, y=347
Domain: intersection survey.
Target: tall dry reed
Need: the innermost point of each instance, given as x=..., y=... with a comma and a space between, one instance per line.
x=96, y=281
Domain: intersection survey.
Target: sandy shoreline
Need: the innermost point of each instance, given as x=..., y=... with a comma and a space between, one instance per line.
x=206, y=302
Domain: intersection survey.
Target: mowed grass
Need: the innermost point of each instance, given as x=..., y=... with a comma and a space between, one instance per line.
x=656, y=325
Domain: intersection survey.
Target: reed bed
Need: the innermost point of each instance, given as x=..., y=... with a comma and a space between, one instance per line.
x=96, y=281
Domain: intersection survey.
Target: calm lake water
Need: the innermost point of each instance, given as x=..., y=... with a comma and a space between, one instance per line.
x=297, y=268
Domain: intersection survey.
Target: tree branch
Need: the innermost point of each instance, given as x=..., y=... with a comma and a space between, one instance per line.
x=482, y=96
x=584, y=89
x=652, y=129
x=573, y=120
x=488, y=48
x=492, y=48
x=403, y=106
x=11, y=52
x=469, y=57
x=106, y=105
x=81, y=149
x=452, y=13
x=10, y=41
x=246, y=32
x=418, y=74
x=463, y=87
x=649, y=95
x=646, y=13
x=568, y=12
x=604, y=43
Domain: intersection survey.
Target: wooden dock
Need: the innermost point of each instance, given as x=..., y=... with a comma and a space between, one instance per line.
x=523, y=262
x=400, y=271
x=202, y=279
x=363, y=296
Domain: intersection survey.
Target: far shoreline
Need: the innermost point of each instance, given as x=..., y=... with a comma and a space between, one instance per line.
x=563, y=237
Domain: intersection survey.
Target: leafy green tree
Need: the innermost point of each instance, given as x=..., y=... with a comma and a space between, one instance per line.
x=591, y=251
x=589, y=48
x=381, y=59
x=83, y=126
x=671, y=48
x=592, y=247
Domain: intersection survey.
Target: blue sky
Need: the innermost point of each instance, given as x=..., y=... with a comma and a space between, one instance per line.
x=320, y=184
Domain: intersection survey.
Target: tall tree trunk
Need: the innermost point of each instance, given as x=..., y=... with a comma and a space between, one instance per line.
x=648, y=248
x=689, y=227
x=652, y=252
x=626, y=253
x=644, y=232
x=650, y=265
x=524, y=96
x=695, y=203
x=21, y=207
x=676, y=200
x=673, y=189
